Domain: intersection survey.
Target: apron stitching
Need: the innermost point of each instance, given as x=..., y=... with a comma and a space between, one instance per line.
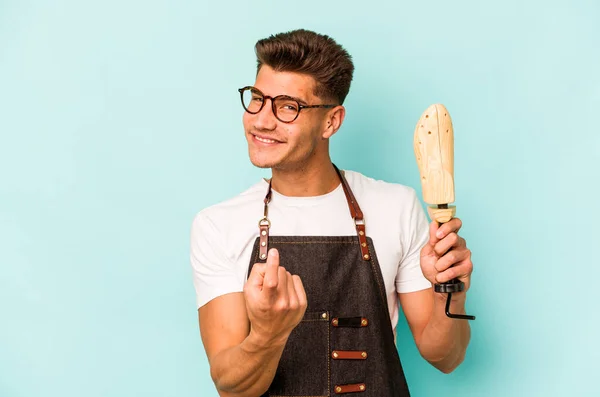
x=341, y=242
x=328, y=359
x=381, y=288
x=328, y=346
x=362, y=241
x=379, y=285
x=374, y=269
x=314, y=242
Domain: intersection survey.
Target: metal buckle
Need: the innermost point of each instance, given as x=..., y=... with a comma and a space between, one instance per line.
x=264, y=222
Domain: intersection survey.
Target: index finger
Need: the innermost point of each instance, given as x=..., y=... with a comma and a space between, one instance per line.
x=434, y=226
x=453, y=225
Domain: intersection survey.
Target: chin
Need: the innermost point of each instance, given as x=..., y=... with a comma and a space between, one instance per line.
x=263, y=161
x=260, y=165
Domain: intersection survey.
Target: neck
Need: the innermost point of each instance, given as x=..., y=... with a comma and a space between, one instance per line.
x=305, y=181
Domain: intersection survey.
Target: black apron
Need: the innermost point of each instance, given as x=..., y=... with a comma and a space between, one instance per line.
x=345, y=343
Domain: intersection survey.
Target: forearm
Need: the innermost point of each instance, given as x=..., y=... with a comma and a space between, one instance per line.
x=444, y=340
x=246, y=369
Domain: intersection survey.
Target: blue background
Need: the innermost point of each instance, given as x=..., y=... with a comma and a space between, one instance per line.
x=119, y=120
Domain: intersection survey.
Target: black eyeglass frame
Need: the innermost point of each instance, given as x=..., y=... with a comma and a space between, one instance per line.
x=273, y=99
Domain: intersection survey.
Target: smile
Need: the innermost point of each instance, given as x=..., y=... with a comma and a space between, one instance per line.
x=265, y=140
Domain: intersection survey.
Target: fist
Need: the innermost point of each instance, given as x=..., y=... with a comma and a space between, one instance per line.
x=446, y=255
x=275, y=300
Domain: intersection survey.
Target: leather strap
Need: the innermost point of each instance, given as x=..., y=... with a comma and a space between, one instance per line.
x=351, y=322
x=264, y=224
x=357, y=387
x=349, y=355
x=355, y=210
x=357, y=215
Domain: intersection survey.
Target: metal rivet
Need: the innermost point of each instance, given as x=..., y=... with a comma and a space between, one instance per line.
x=324, y=315
x=335, y=321
x=335, y=355
x=263, y=256
x=366, y=256
x=361, y=387
x=264, y=243
x=364, y=244
x=364, y=322
x=364, y=354
x=361, y=233
x=264, y=232
x=338, y=389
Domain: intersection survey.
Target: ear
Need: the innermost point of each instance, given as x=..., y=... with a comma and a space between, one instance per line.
x=333, y=121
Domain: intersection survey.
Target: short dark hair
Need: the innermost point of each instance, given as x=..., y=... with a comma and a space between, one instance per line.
x=310, y=53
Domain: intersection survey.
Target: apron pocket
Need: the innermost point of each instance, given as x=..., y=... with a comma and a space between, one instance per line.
x=349, y=355
x=304, y=365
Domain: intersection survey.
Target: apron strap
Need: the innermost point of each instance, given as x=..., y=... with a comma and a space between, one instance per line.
x=356, y=214
x=264, y=224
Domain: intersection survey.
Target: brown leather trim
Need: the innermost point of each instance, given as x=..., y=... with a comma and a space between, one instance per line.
x=346, y=188
x=351, y=322
x=362, y=238
x=349, y=355
x=355, y=388
x=264, y=242
x=268, y=196
x=263, y=225
x=357, y=215
x=355, y=212
x=354, y=207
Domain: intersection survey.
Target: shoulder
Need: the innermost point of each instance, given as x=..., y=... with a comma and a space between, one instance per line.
x=380, y=190
x=386, y=203
x=234, y=210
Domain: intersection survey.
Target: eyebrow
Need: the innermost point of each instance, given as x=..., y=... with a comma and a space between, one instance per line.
x=300, y=100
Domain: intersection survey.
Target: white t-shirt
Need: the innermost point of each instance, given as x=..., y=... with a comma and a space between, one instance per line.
x=223, y=235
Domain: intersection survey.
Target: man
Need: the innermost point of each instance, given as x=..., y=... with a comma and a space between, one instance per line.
x=300, y=277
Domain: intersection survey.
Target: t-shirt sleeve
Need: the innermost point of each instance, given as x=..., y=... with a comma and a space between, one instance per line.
x=213, y=274
x=415, y=234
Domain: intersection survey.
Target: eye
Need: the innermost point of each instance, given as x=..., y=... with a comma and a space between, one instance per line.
x=289, y=106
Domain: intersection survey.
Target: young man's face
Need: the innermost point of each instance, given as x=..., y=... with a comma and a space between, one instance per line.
x=275, y=144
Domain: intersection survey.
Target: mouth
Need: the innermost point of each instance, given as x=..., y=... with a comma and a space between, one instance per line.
x=264, y=140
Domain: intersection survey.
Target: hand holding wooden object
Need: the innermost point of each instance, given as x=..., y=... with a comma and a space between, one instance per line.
x=434, y=151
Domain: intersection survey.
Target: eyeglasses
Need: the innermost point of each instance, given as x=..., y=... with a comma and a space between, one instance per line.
x=285, y=108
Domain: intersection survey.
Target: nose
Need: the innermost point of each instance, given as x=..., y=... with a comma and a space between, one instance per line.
x=265, y=119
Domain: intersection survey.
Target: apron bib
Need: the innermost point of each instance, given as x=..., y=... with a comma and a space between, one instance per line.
x=345, y=343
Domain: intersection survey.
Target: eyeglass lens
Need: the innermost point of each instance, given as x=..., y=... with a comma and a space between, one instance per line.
x=285, y=108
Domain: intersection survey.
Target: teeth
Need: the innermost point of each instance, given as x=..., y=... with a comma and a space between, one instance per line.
x=264, y=140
